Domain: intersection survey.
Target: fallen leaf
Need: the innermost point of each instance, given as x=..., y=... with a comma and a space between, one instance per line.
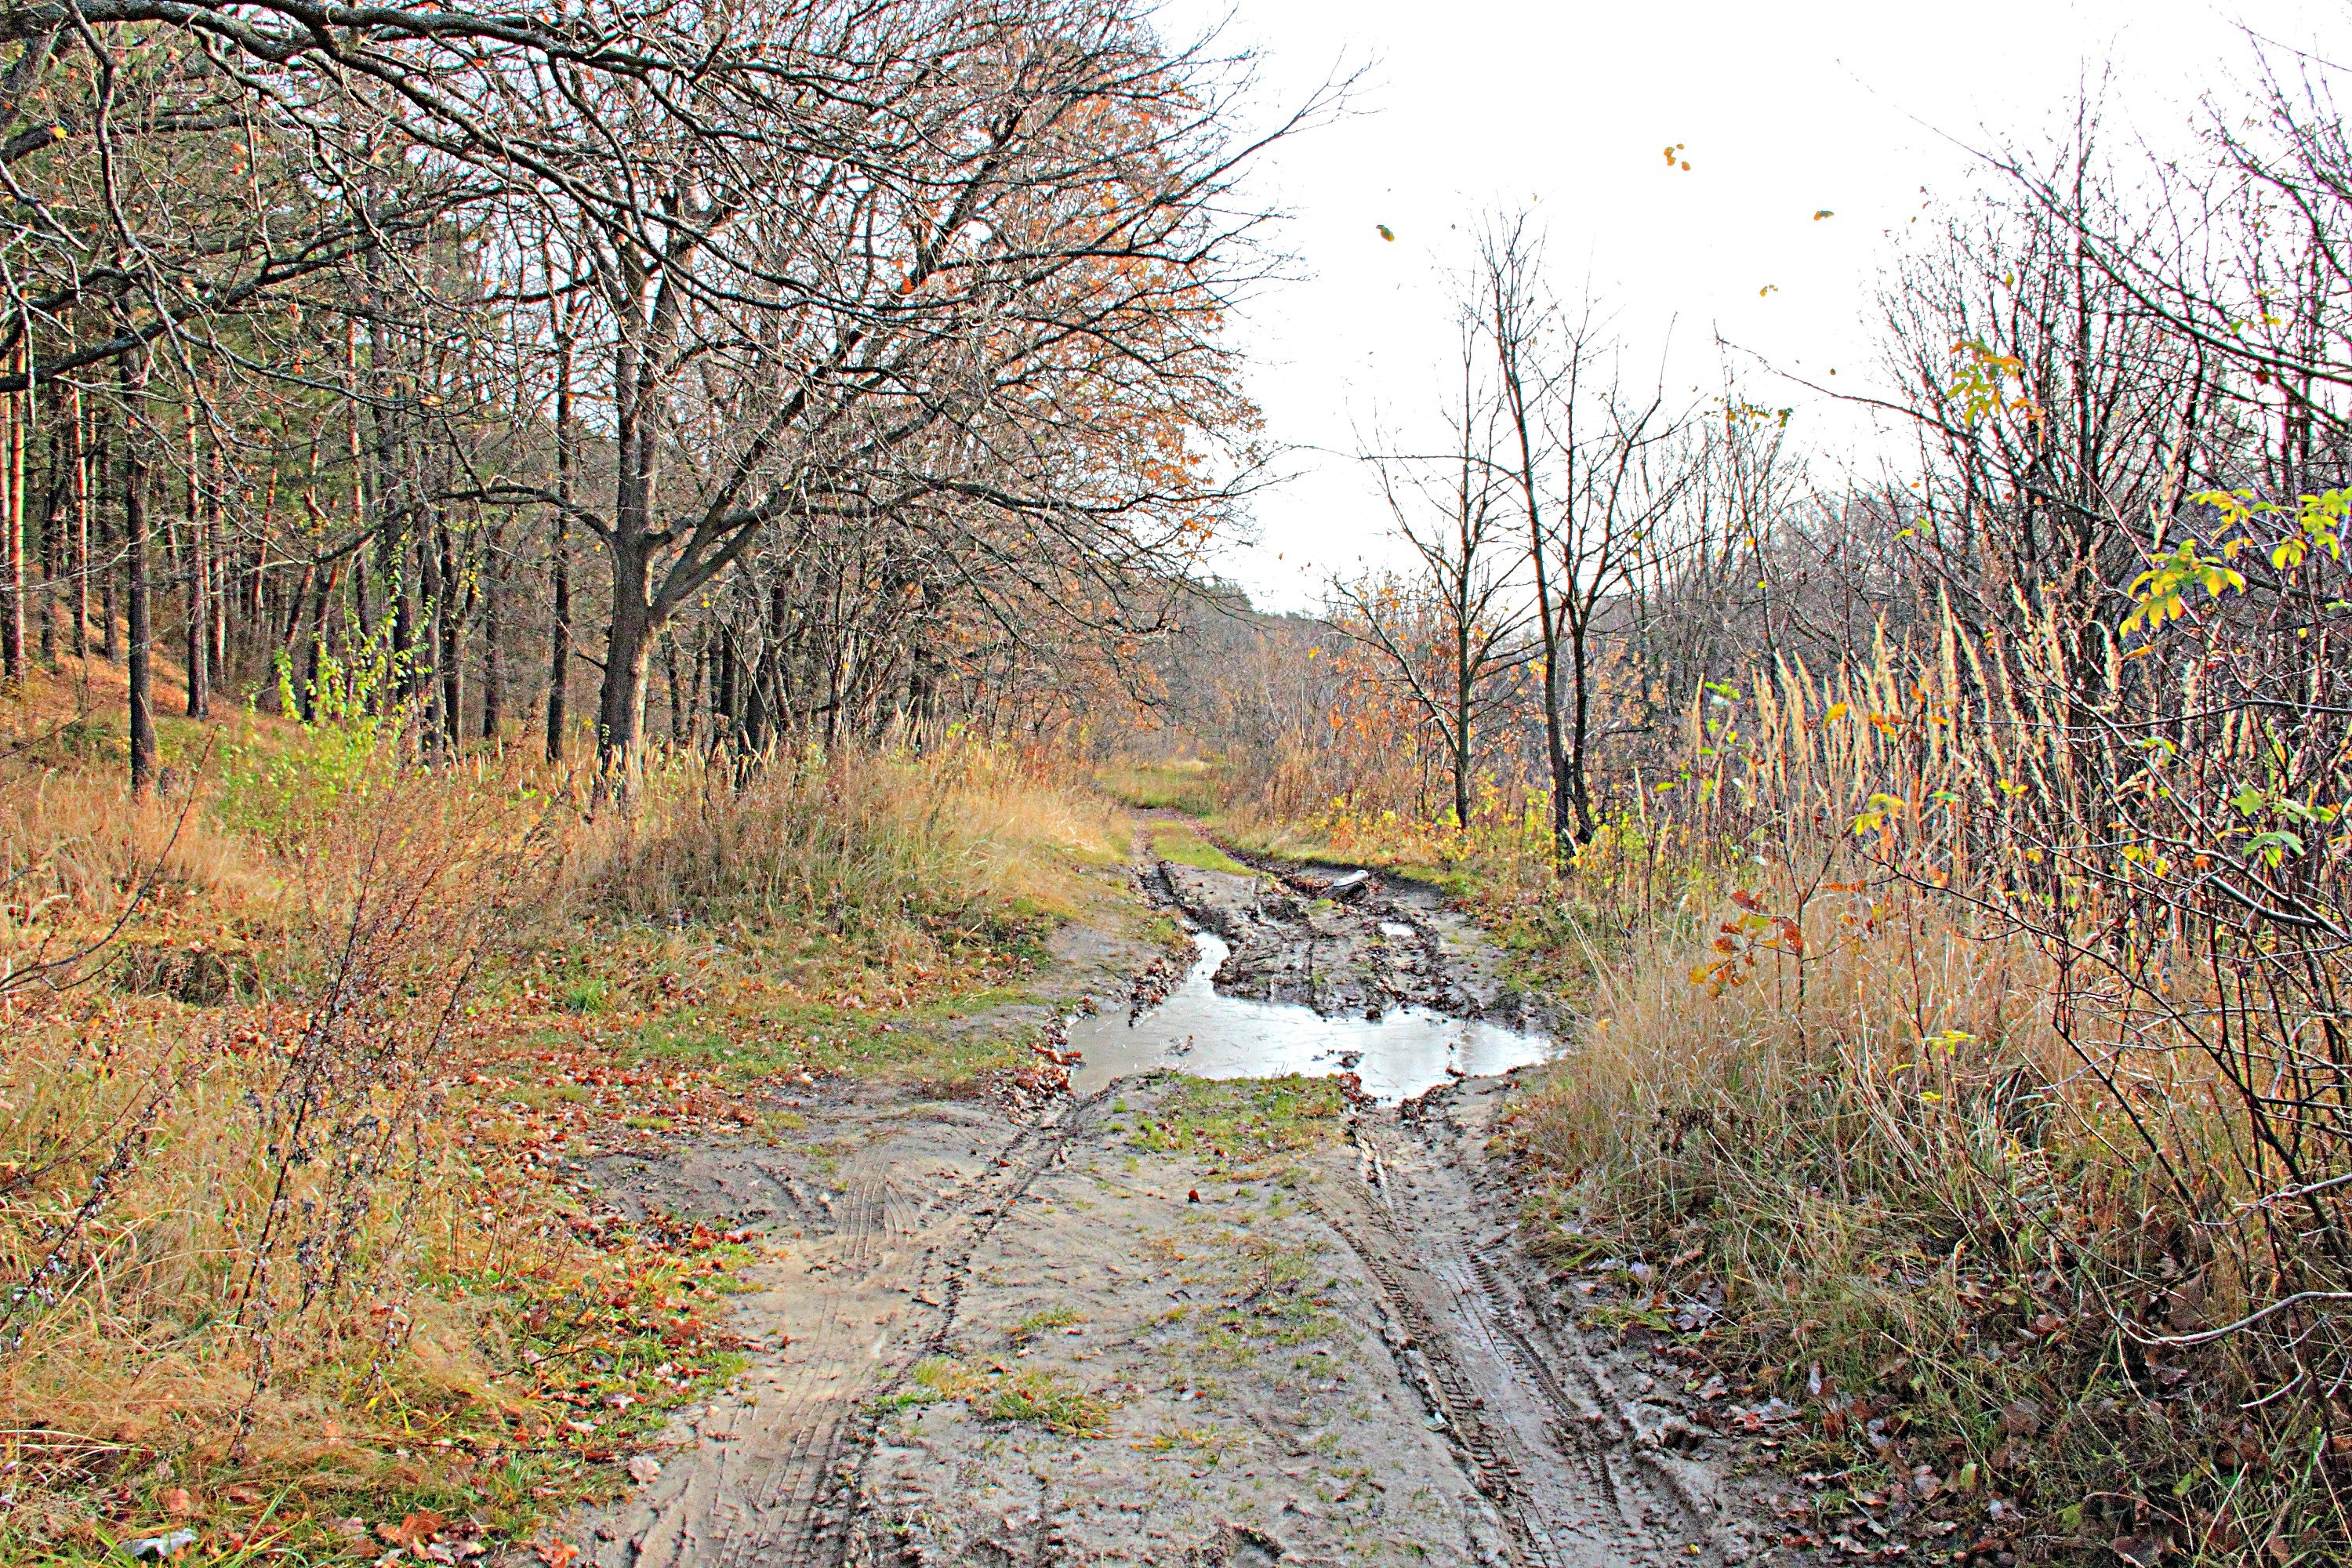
x=178, y=1502
x=557, y=1553
x=413, y=1531
x=644, y=1469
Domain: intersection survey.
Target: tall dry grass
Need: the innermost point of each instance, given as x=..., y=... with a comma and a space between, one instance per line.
x=953, y=843
x=238, y=1227
x=1958, y=1096
x=214, y=1220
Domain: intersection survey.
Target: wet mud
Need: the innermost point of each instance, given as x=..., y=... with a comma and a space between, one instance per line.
x=1383, y=945
x=992, y=1333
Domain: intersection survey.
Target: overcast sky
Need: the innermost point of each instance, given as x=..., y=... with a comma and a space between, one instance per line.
x=1782, y=110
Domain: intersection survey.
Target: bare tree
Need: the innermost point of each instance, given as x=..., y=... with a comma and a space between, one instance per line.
x=1448, y=632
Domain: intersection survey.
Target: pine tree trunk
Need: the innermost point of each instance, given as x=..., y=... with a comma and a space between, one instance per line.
x=100, y=466
x=192, y=563
x=51, y=553
x=78, y=477
x=134, y=373
x=558, y=631
x=12, y=528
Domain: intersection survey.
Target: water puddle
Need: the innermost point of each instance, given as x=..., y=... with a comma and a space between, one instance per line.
x=1197, y=1030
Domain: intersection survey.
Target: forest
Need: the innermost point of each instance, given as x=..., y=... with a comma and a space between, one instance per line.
x=622, y=581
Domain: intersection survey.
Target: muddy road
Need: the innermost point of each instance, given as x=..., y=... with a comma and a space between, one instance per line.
x=1165, y=1322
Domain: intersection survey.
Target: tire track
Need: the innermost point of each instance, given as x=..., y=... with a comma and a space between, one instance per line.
x=771, y=1479
x=774, y=1481
x=1555, y=1465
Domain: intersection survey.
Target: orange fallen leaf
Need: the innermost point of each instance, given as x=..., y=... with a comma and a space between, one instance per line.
x=415, y=1530
x=178, y=1503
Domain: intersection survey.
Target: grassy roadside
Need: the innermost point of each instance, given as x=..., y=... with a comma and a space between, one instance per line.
x=1819, y=1141
x=309, y=1282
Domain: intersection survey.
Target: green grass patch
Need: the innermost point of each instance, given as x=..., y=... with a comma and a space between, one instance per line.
x=1042, y=1322
x=1034, y=1396
x=1194, y=787
x=1249, y=1120
x=1183, y=844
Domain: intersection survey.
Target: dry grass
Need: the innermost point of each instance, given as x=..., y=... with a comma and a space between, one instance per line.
x=256, y=1269
x=1971, y=1197
x=1906, y=1029
x=862, y=843
x=1906, y=1184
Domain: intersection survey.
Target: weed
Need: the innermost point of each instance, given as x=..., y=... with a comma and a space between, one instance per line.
x=1035, y=1396
x=1193, y=786
x=1044, y=1321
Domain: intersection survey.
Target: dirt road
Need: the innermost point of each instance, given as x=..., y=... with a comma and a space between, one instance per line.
x=1163, y=1324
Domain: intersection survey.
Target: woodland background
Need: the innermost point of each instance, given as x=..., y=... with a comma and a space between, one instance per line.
x=489, y=501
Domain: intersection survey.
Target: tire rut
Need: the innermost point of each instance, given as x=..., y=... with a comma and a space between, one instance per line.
x=763, y=1482
x=1556, y=1466
x=769, y=1481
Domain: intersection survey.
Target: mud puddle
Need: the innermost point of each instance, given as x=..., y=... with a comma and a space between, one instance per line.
x=1404, y=1051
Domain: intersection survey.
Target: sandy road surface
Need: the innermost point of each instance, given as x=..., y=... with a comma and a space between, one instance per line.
x=1336, y=1357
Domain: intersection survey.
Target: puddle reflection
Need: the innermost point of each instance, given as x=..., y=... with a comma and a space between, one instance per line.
x=1197, y=1030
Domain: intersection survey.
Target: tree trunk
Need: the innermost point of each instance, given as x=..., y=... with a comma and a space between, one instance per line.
x=52, y=554
x=100, y=465
x=1461, y=725
x=194, y=562
x=494, y=671
x=628, y=644
x=558, y=631
x=449, y=618
x=325, y=592
x=620, y=708
x=558, y=644
x=12, y=528
x=1580, y=789
x=678, y=714
x=134, y=373
x=78, y=477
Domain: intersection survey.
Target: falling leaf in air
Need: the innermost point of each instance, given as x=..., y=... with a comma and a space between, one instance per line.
x=1386, y=232
x=1821, y=214
x=1675, y=159
x=1767, y=289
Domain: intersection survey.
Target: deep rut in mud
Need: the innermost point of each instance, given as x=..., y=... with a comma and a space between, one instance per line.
x=1403, y=1396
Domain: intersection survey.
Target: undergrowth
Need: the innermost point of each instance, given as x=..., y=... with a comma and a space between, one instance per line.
x=304, y=1049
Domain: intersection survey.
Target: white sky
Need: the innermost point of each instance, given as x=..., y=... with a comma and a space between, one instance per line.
x=1783, y=109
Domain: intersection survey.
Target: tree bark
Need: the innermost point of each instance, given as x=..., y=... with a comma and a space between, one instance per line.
x=323, y=593
x=558, y=631
x=78, y=477
x=132, y=371
x=100, y=465
x=620, y=708
x=494, y=673
x=448, y=617
x=12, y=528
x=194, y=562
x=628, y=642
x=52, y=552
